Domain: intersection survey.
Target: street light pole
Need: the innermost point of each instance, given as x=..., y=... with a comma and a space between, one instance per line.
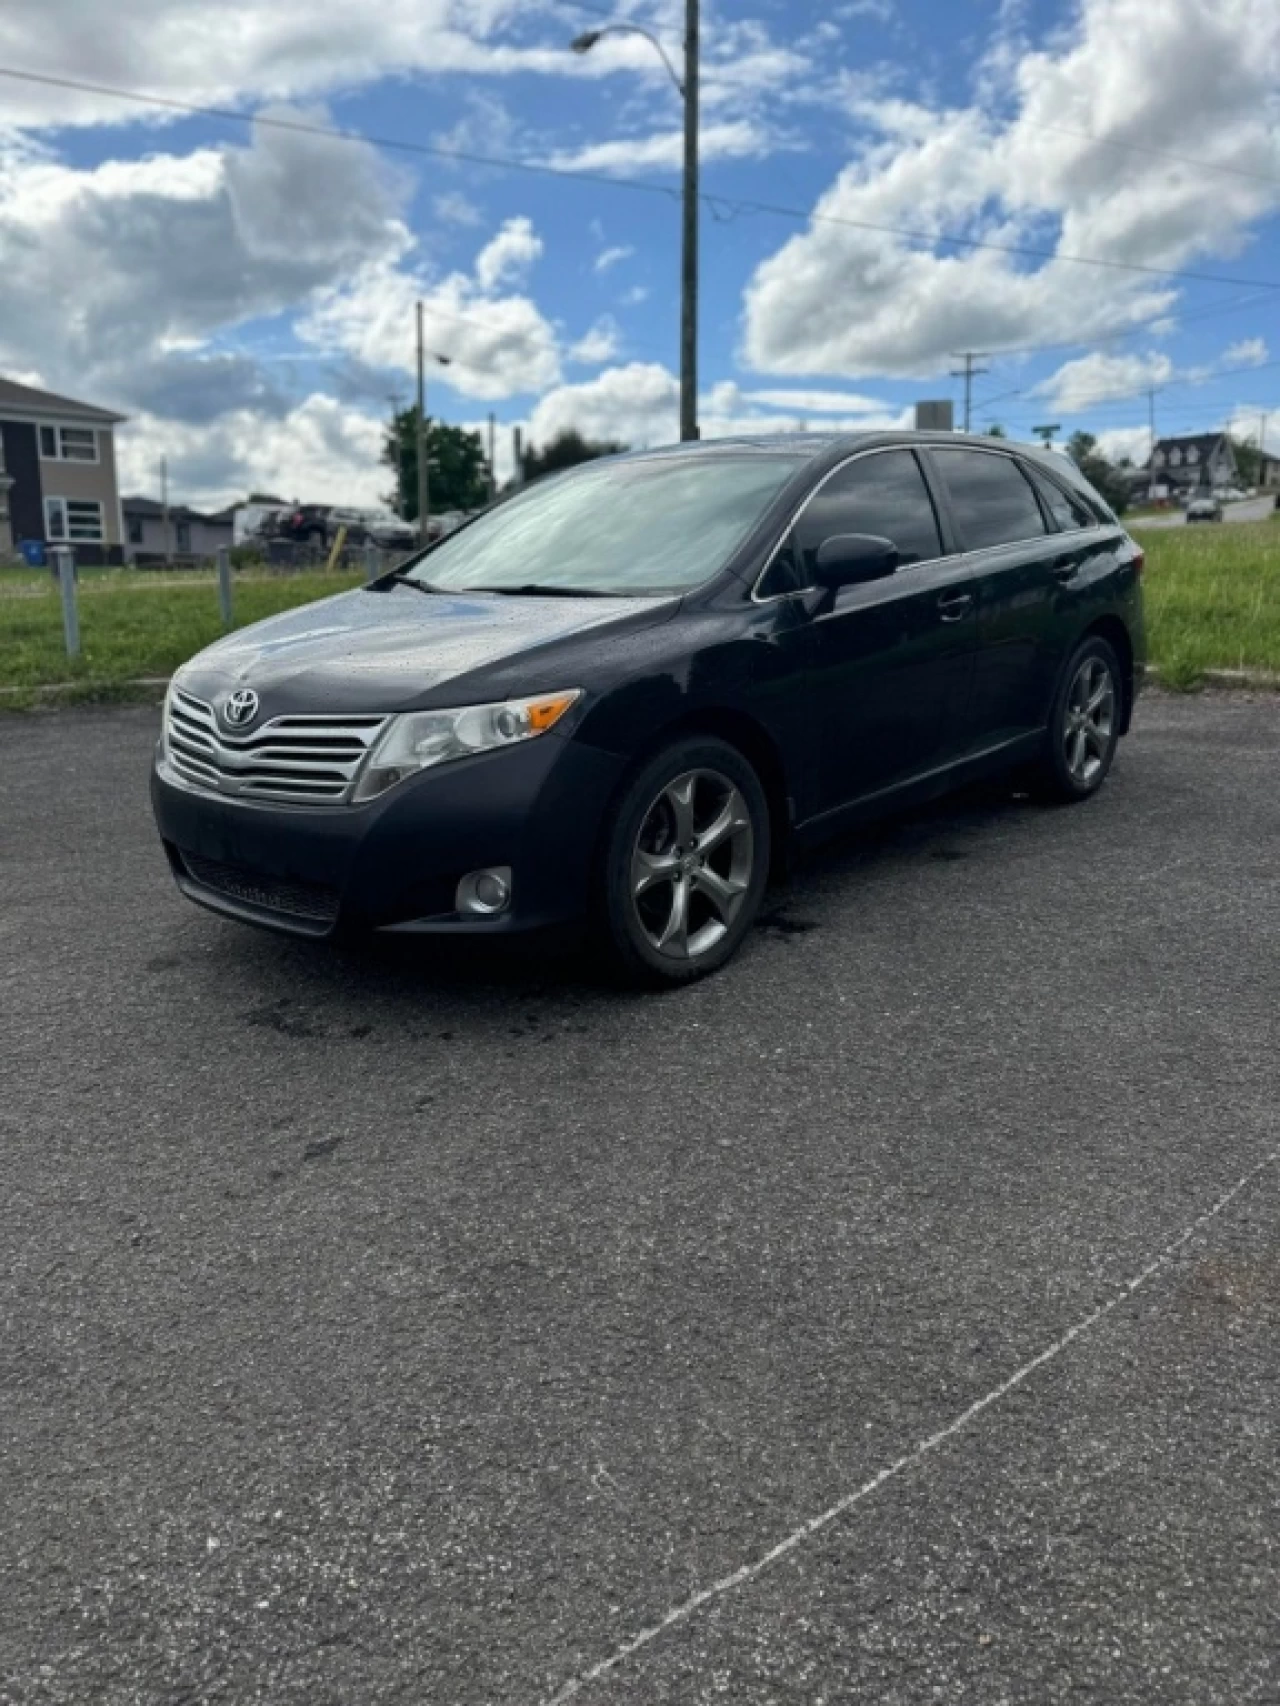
x=424, y=488
x=689, y=243
x=688, y=89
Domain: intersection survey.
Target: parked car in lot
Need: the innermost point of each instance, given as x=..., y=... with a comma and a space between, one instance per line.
x=305, y=524
x=1204, y=509
x=619, y=699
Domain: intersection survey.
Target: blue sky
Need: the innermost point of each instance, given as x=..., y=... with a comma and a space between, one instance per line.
x=245, y=293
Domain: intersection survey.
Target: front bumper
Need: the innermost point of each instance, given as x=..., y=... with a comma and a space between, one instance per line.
x=395, y=863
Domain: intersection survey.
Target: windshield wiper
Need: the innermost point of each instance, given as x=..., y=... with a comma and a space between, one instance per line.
x=402, y=577
x=540, y=589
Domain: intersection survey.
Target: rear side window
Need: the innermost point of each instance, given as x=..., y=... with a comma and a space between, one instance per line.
x=1068, y=511
x=991, y=498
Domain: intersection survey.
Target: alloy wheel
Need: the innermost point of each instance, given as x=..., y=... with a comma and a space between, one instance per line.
x=1089, y=721
x=692, y=863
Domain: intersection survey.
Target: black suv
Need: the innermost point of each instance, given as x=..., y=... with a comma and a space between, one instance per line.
x=619, y=697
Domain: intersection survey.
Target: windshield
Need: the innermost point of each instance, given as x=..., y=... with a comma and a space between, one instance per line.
x=629, y=528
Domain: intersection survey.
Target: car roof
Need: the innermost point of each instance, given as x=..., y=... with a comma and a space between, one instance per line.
x=811, y=445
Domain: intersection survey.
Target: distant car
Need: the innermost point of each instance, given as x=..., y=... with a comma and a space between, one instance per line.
x=305, y=524
x=392, y=532
x=1204, y=509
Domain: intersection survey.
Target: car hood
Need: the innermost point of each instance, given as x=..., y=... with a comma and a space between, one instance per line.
x=391, y=649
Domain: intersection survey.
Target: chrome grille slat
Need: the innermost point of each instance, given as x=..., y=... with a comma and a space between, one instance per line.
x=308, y=760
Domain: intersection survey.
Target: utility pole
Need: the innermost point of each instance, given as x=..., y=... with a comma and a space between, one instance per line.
x=517, y=445
x=689, y=243
x=164, y=506
x=493, y=474
x=394, y=398
x=424, y=487
x=1151, y=409
x=969, y=372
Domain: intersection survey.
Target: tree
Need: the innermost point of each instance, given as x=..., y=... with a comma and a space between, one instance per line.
x=459, y=474
x=995, y=430
x=264, y=498
x=1108, y=482
x=1248, y=461
x=566, y=450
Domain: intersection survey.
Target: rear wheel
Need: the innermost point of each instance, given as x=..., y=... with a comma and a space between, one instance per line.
x=1085, y=724
x=685, y=864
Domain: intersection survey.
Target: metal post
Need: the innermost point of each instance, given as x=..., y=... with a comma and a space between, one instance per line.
x=517, y=446
x=689, y=243
x=371, y=560
x=224, y=585
x=66, y=562
x=424, y=489
x=493, y=474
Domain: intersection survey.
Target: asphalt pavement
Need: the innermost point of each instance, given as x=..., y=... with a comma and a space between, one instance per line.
x=893, y=1318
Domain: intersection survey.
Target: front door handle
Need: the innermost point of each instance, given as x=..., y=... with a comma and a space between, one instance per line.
x=953, y=606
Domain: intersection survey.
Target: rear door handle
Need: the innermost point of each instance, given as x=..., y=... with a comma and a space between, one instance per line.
x=1066, y=568
x=953, y=606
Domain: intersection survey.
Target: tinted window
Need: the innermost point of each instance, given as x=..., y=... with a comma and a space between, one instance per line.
x=1068, y=511
x=991, y=497
x=884, y=494
x=648, y=526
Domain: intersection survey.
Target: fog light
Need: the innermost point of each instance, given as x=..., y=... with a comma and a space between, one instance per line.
x=482, y=893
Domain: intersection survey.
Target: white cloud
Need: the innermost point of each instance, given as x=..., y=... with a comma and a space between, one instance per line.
x=1117, y=443
x=633, y=297
x=610, y=257
x=241, y=50
x=496, y=345
x=639, y=404
x=453, y=208
x=508, y=256
x=1098, y=378
x=734, y=139
x=600, y=344
x=115, y=277
x=1249, y=352
x=818, y=402
x=842, y=298
x=320, y=450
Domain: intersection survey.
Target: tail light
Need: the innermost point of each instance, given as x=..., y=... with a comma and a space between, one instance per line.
x=1139, y=562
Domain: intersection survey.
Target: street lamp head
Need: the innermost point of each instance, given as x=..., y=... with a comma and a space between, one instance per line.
x=586, y=41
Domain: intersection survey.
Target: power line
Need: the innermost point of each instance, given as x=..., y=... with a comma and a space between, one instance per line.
x=640, y=185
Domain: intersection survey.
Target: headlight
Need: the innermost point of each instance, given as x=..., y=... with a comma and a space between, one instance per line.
x=418, y=739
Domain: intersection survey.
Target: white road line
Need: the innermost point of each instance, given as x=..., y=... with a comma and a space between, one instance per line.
x=748, y=1572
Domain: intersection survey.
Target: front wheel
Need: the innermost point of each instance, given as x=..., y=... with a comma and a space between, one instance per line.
x=1084, y=726
x=685, y=863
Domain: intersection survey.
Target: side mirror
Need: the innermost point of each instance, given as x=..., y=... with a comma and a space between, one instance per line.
x=847, y=558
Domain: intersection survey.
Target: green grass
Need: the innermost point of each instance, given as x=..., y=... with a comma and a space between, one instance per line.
x=1213, y=599
x=131, y=623
x=1213, y=602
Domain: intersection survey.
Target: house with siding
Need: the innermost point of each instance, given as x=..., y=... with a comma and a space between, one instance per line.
x=1204, y=460
x=58, y=474
x=156, y=534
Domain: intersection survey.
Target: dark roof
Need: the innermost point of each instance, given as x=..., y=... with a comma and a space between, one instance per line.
x=149, y=510
x=1204, y=444
x=30, y=401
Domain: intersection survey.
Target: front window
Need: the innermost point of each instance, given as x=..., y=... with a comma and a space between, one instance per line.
x=68, y=444
x=641, y=528
x=73, y=519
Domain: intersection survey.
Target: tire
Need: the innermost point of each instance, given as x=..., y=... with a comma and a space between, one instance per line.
x=684, y=864
x=1080, y=744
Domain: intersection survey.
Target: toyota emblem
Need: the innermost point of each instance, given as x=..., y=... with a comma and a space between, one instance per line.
x=241, y=708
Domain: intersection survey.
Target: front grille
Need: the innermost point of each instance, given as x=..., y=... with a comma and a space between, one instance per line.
x=311, y=901
x=304, y=760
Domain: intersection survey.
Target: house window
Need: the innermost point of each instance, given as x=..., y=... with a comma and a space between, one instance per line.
x=68, y=444
x=73, y=519
x=1193, y=455
x=134, y=524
